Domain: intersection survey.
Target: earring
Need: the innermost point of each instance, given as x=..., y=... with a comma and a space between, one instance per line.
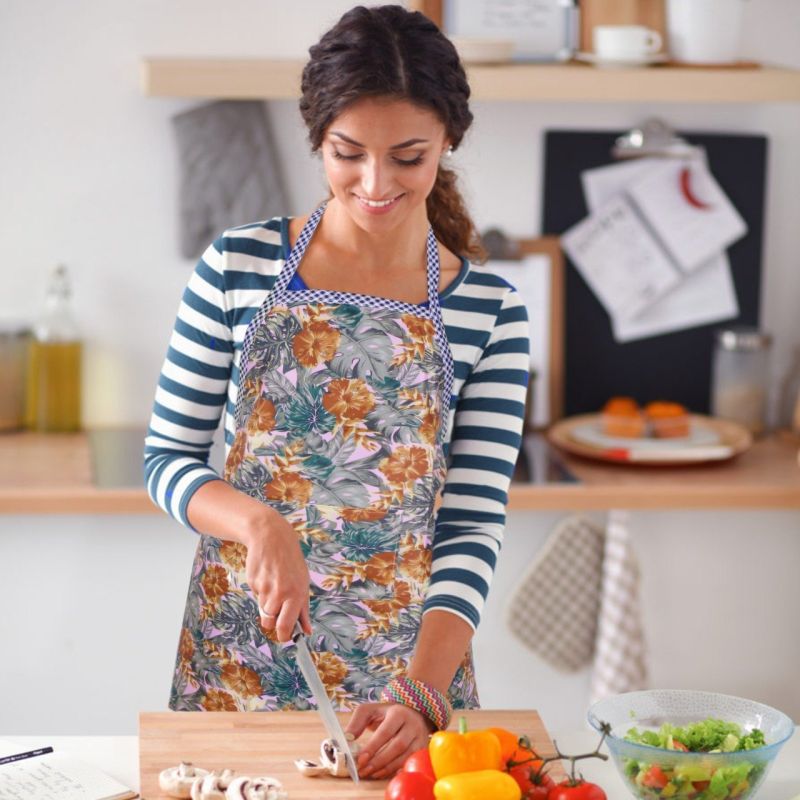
x=447, y=153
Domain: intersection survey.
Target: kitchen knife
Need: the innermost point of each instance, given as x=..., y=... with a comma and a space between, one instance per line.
x=324, y=706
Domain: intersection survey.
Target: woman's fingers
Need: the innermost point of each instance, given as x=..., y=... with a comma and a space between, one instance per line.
x=364, y=717
x=284, y=625
x=397, y=749
x=305, y=619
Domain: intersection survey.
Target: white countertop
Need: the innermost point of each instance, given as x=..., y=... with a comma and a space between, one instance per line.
x=118, y=756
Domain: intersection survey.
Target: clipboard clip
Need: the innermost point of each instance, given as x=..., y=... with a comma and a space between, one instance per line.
x=654, y=138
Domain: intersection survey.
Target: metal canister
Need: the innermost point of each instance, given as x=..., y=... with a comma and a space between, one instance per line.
x=14, y=339
x=741, y=377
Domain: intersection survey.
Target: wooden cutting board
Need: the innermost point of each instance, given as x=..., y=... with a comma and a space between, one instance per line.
x=264, y=743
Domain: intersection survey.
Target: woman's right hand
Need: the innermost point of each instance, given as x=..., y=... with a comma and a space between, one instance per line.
x=277, y=574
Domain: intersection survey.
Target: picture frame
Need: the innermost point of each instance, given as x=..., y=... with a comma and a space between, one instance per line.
x=542, y=30
x=543, y=295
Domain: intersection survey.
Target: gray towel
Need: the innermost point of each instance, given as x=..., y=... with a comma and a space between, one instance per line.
x=229, y=170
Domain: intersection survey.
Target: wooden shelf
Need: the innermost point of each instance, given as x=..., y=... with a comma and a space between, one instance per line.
x=98, y=473
x=280, y=80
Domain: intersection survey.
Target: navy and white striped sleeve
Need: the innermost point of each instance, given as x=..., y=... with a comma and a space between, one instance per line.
x=191, y=390
x=487, y=434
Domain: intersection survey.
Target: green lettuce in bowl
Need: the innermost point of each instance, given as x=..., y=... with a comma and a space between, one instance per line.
x=691, y=745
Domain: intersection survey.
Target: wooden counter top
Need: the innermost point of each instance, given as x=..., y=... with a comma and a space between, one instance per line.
x=100, y=472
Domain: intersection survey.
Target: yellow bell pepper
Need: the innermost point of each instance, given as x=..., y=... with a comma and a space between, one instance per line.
x=480, y=785
x=455, y=752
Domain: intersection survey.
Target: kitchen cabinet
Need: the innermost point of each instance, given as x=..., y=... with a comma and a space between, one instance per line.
x=100, y=472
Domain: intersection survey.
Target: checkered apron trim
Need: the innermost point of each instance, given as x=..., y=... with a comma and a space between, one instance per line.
x=432, y=312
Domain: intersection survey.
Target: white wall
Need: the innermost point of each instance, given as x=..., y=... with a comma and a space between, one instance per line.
x=90, y=606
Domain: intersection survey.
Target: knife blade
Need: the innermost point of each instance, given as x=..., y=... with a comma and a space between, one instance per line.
x=329, y=718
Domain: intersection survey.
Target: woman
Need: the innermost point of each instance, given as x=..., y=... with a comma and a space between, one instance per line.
x=364, y=365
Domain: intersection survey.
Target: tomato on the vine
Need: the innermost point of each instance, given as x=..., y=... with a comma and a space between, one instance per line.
x=576, y=790
x=533, y=783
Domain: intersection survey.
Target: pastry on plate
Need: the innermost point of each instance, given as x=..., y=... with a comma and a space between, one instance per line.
x=621, y=416
x=667, y=420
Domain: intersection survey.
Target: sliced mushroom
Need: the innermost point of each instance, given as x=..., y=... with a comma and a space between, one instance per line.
x=332, y=760
x=212, y=786
x=177, y=781
x=263, y=788
x=310, y=769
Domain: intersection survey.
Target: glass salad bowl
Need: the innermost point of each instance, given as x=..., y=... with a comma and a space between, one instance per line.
x=665, y=769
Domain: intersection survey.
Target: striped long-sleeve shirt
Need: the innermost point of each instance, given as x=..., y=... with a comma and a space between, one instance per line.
x=487, y=329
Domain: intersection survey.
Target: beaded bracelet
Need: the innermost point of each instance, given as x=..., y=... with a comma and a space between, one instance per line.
x=421, y=697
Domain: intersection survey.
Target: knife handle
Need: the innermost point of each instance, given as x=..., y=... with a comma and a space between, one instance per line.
x=297, y=632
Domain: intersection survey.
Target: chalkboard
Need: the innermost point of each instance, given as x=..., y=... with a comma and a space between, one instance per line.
x=674, y=366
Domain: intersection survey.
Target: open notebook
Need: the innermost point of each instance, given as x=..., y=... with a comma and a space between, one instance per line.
x=54, y=776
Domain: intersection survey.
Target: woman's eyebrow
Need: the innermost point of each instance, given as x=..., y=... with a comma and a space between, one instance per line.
x=400, y=146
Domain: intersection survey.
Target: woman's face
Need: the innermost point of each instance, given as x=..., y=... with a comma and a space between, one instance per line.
x=380, y=158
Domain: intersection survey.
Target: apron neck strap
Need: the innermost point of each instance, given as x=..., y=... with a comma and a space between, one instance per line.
x=433, y=267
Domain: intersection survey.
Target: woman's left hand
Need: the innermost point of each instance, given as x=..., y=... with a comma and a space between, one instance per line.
x=399, y=731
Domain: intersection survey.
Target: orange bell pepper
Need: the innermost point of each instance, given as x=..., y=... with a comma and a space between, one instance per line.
x=480, y=785
x=509, y=742
x=452, y=753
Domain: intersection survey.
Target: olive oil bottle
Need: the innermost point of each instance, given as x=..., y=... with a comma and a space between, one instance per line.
x=53, y=380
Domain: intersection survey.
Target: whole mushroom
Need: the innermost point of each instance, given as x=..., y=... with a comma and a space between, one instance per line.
x=177, y=781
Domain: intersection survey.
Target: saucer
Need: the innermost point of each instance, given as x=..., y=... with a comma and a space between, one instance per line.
x=636, y=61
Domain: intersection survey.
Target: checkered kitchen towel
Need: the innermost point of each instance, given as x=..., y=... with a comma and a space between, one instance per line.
x=619, y=658
x=578, y=604
x=554, y=609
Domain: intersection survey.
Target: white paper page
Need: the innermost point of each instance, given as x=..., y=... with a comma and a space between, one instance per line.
x=619, y=259
x=707, y=295
x=530, y=276
x=691, y=215
x=704, y=296
x=55, y=777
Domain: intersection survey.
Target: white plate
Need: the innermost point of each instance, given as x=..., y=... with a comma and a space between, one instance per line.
x=591, y=433
x=638, y=61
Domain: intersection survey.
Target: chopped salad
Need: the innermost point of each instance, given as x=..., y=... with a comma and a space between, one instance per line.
x=696, y=780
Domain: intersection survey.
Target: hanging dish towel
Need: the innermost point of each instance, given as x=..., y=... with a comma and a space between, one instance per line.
x=229, y=170
x=554, y=609
x=619, y=658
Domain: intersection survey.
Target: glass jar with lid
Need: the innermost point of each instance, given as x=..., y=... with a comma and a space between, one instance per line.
x=741, y=376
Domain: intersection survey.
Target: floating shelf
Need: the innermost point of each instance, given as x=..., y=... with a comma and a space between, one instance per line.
x=100, y=472
x=280, y=80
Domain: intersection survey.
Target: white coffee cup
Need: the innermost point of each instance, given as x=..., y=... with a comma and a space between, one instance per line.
x=625, y=42
x=704, y=31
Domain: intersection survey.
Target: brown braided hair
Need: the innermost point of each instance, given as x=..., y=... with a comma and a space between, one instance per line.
x=389, y=52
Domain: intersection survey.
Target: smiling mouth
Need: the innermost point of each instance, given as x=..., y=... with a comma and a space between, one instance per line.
x=378, y=203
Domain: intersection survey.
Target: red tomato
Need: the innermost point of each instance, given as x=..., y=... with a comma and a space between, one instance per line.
x=539, y=792
x=529, y=778
x=420, y=761
x=679, y=746
x=579, y=790
x=655, y=778
x=700, y=786
x=409, y=786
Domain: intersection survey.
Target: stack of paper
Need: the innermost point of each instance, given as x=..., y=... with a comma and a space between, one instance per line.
x=653, y=246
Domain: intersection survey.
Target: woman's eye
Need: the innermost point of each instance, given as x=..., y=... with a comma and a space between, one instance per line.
x=400, y=161
x=412, y=163
x=337, y=154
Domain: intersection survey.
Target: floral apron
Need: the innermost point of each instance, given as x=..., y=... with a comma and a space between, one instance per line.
x=341, y=419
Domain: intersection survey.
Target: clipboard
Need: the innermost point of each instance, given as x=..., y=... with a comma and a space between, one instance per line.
x=674, y=366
